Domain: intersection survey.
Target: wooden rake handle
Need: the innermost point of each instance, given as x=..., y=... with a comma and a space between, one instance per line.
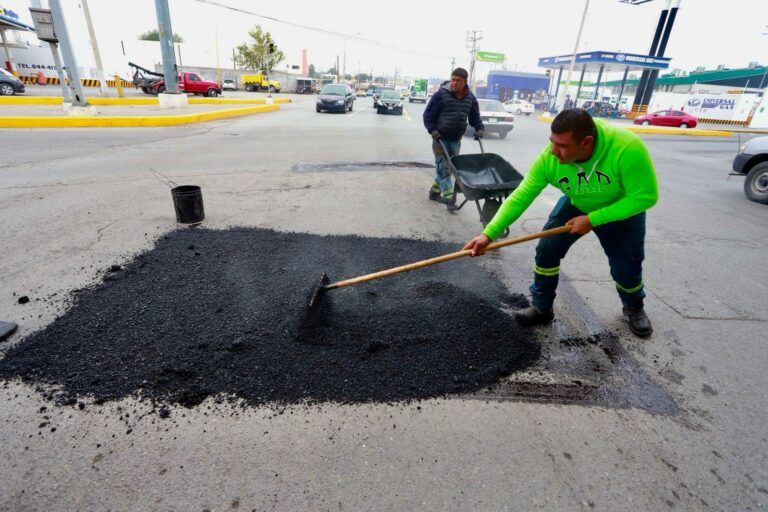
x=445, y=257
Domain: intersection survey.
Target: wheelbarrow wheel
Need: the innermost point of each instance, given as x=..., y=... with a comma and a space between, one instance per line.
x=490, y=207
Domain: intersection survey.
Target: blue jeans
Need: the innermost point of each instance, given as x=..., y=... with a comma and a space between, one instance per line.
x=623, y=242
x=443, y=182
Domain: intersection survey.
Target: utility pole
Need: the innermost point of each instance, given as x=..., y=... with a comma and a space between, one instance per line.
x=472, y=38
x=453, y=65
x=95, y=46
x=575, y=51
x=70, y=64
x=166, y=46
x=37, y=9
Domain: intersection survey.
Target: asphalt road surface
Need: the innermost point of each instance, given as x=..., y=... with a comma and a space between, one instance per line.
x=674, y=422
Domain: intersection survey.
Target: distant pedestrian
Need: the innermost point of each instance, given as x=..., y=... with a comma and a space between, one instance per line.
x=445, y=118
x=568, y=102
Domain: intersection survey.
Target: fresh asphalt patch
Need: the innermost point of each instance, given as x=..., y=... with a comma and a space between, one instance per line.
x=224, y=314
x=211, y=313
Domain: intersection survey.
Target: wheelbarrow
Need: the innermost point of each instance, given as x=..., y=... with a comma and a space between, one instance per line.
x=485, y=177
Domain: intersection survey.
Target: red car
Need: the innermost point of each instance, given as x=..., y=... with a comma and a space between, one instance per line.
x=668, y=118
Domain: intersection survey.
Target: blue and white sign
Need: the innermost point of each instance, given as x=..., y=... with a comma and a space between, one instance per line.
x=607, y=58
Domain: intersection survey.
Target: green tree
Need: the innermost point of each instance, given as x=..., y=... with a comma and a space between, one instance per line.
x=362, y=77
x=154, y=35
x=311, y=71
x=332, y=71
x=256, y=55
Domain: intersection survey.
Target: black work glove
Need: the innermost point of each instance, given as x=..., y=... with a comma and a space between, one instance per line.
x=479, y=134
x=435, y=134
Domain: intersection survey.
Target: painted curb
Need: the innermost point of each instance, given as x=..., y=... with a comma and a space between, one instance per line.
x=55, y=100
x=121, y=122
x=696, y=132
x=679, y=131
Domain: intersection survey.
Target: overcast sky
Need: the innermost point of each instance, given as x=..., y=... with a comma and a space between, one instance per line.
x=421, y=38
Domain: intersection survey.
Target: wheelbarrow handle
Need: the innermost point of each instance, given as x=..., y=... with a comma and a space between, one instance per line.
x=480, y=141
x=447, y=156
x=445, y=257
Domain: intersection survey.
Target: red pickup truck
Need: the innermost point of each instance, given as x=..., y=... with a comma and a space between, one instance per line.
x=190, y=83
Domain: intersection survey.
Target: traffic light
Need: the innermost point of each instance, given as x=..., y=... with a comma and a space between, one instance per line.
x=271, y=48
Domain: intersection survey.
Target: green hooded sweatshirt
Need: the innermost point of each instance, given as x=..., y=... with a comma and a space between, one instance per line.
x=617, y=182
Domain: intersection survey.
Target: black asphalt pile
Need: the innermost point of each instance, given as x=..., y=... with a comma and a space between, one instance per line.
x=223, y=314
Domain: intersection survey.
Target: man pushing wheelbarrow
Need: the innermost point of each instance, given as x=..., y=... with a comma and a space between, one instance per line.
x=608, y=182
x=445, y=118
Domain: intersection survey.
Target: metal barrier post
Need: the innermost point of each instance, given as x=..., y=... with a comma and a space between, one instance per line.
x=119, y=85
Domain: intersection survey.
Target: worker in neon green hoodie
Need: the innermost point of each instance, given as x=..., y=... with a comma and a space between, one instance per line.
x=608, y=182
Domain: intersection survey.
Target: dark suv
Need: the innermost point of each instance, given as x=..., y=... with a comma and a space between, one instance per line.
x=9, y=84
x=335, y=97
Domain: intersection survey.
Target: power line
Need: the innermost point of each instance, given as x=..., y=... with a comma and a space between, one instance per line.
x=322, y=30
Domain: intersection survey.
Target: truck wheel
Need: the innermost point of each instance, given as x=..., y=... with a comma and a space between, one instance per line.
x=249, y=88
x=212, y=93
x=271, y=89
x=756, y=184
x=277, y=91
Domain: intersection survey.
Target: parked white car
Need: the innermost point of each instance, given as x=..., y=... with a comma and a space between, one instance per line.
x=495, y=118
x=519, y=107
x=229, y=85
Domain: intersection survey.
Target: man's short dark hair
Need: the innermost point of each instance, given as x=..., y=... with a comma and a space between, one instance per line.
x=577, y=121
x=460, y=72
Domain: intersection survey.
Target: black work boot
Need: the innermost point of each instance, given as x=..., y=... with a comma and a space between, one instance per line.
x=639, y=323
x=532, y=315
x=434, y=196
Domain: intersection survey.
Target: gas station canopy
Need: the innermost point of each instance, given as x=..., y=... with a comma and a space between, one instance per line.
x=608, y=61
x=602, y=62
x=9, y=23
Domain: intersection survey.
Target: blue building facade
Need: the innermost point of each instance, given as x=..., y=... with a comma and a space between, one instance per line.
x=505, y=85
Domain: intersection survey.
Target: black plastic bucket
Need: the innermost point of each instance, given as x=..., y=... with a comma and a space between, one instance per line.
x=188, y=203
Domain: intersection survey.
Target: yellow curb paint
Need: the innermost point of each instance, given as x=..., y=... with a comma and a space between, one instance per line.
x=123, y=101
x=137, y=121
x=226, y=101
x=679, y=131
x=664, y=131
x=54, y=100
x=29, y=100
